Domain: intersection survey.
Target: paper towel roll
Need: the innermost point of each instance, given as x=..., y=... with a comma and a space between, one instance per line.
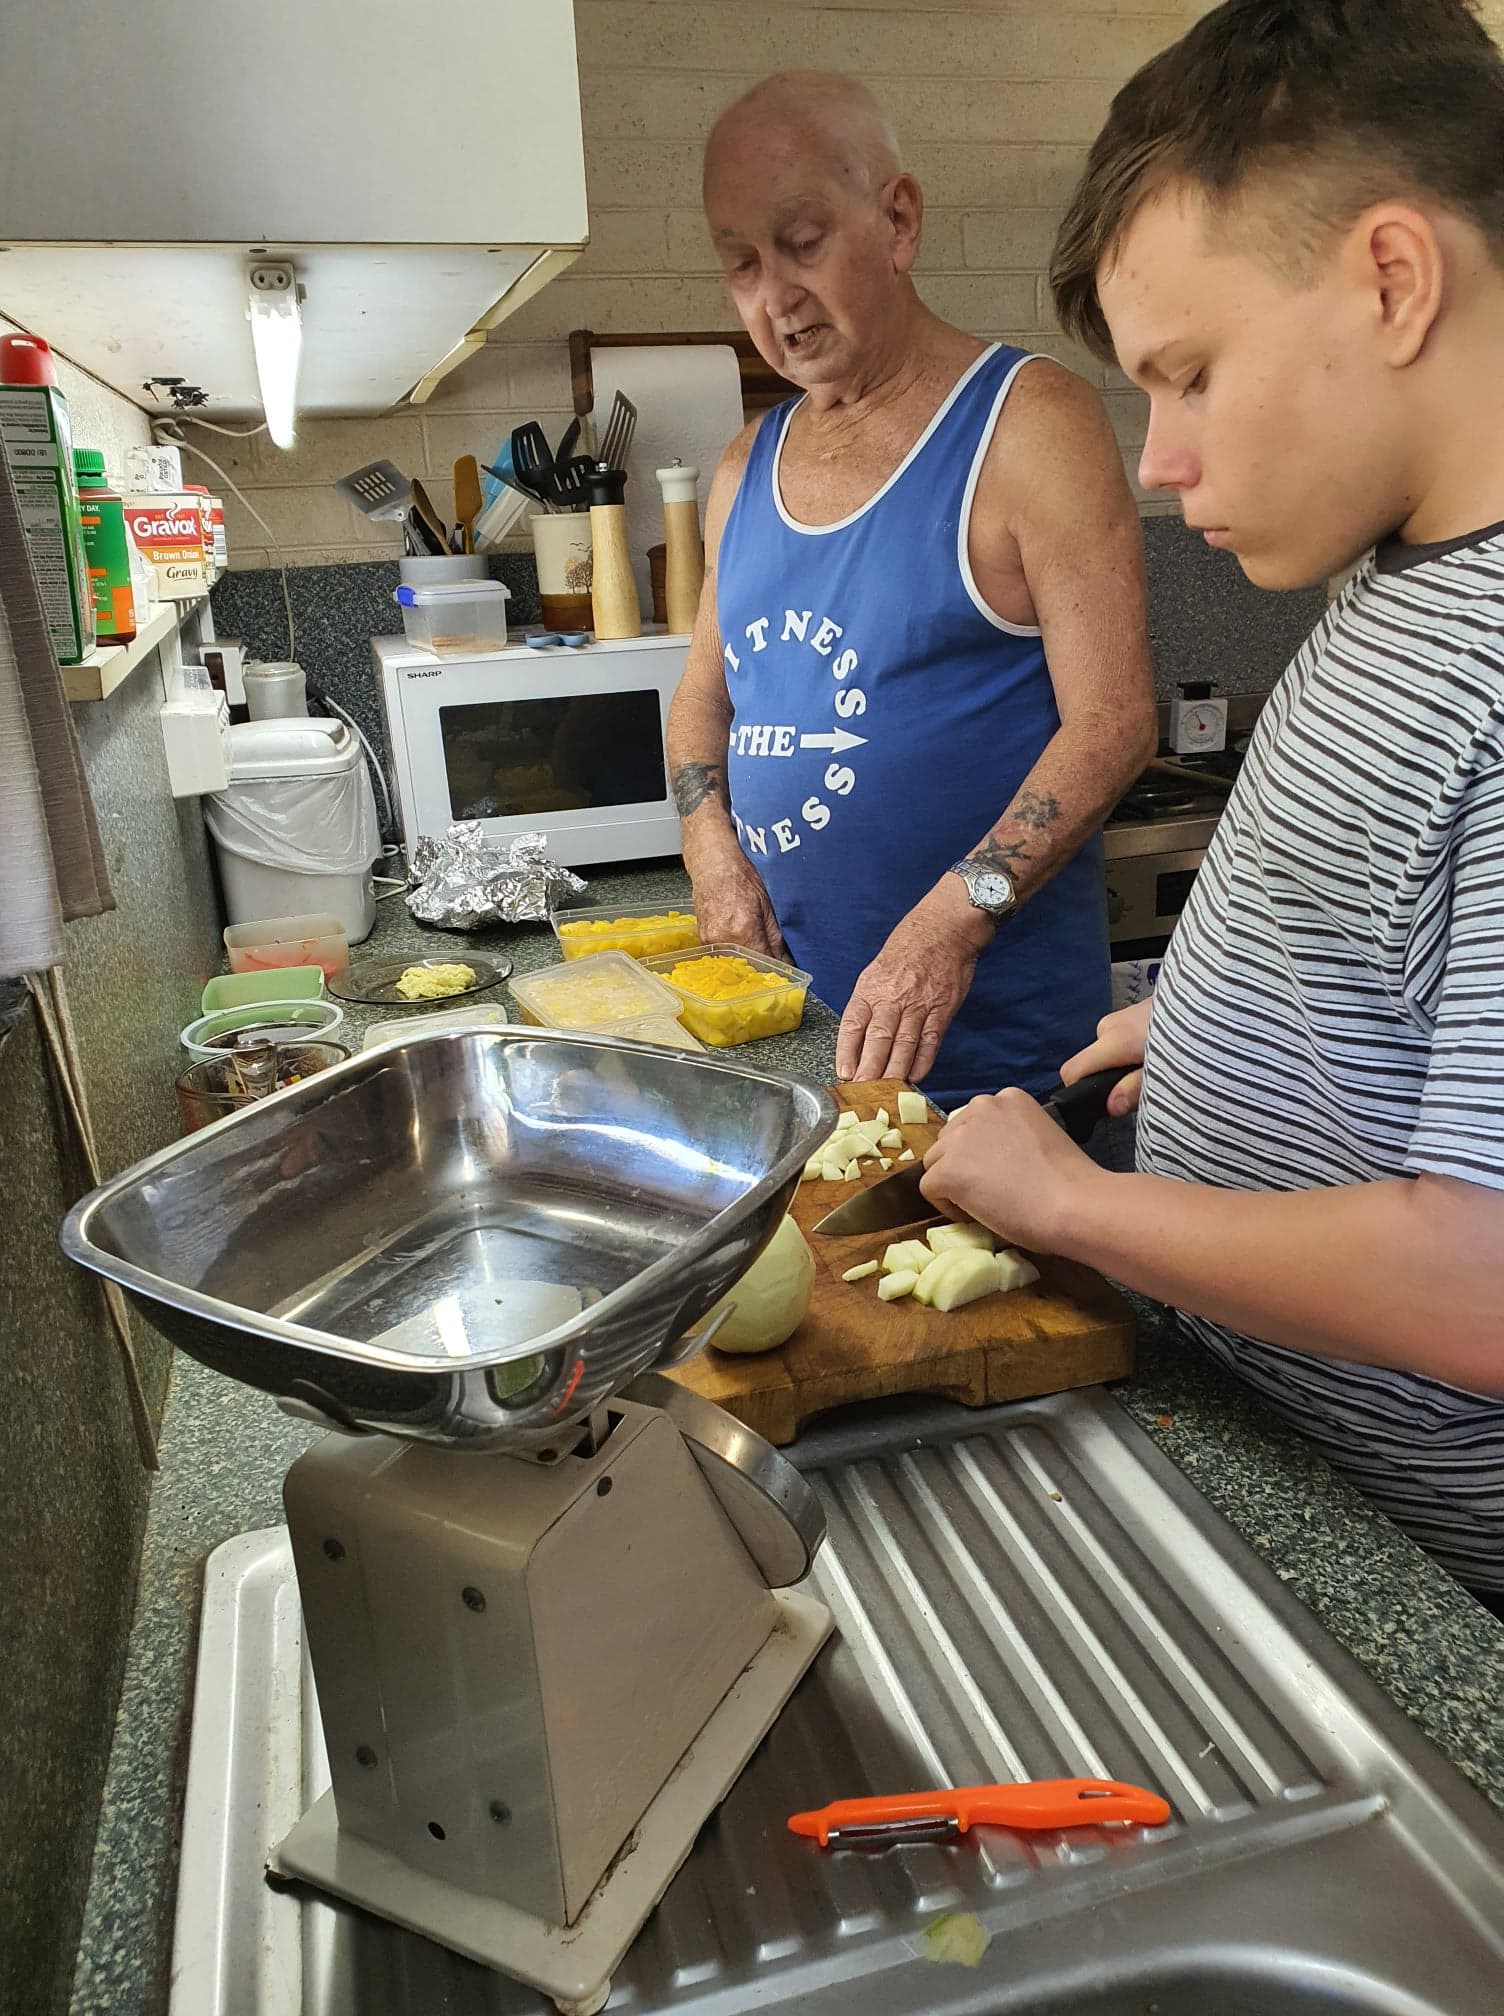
x=689, y=404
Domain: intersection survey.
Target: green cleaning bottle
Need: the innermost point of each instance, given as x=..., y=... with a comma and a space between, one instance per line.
x=107, y=553
x=38, y=444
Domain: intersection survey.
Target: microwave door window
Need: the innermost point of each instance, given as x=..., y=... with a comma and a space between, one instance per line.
x=571, y=752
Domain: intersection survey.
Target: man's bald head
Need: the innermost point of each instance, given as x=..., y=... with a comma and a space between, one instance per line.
x=816, y=226
x=830, y=121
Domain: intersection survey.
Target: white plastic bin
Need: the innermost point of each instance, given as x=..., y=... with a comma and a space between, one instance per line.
x=296, y=828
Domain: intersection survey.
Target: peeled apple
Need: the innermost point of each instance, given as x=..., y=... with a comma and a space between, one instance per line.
x=946, y=1238
x=769, y=1301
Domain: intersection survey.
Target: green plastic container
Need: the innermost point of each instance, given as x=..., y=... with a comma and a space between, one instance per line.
x=277, y=983
x=38, y=444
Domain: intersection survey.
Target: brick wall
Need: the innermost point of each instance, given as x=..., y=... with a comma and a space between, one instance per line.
x=994, y=104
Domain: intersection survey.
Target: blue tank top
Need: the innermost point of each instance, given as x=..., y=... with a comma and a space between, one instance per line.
x=882, y=720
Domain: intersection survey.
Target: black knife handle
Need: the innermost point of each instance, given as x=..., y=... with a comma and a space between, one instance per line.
x=1079, y=1107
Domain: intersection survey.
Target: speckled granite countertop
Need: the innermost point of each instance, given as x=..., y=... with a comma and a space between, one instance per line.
x=1435, y=1651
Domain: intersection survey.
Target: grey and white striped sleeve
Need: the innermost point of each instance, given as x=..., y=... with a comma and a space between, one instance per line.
x=1460, y=1131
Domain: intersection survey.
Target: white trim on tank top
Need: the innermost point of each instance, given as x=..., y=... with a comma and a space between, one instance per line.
x=840, y=525
x=963, y=531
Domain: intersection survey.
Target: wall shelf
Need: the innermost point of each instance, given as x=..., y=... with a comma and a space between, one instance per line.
x=110, y=665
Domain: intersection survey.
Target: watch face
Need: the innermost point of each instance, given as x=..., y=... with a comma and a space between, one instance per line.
x=991, y=891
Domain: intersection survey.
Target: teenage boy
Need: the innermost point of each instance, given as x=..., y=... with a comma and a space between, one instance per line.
x=1290, y=234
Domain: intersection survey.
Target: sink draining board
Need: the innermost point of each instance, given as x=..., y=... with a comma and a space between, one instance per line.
x=1034, y=1592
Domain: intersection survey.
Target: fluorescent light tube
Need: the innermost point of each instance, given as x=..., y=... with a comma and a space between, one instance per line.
x=277, y=339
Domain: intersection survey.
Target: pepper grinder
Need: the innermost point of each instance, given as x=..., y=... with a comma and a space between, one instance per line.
x=613, y=592
x=685, y=565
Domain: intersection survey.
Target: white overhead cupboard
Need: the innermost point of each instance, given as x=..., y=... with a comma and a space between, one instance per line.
x=415, y=172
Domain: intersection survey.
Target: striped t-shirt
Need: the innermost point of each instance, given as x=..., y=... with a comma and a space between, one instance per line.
x=1332, y=1005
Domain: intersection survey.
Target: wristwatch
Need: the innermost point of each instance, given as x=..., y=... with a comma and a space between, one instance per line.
x=990, y=889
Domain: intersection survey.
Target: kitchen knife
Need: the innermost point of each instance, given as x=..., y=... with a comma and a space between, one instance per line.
x=1041, y=1806
x=898, y=1200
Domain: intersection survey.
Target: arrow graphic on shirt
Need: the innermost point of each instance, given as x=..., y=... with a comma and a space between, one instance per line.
x=837, y=741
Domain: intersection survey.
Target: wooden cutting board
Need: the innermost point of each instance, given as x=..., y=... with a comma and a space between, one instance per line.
x=1070, y=1329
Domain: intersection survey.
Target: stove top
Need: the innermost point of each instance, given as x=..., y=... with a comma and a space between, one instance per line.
x=1170, y=791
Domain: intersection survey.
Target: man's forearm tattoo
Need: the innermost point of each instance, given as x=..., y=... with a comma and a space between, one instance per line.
x=1036, y=809
x=695, y=783
x=996, y=855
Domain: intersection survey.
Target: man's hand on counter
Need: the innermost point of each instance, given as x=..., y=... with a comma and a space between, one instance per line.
x=904, y=1002
x=731, y=901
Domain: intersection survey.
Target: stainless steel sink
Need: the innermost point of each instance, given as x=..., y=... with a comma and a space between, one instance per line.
x=1035, y=1592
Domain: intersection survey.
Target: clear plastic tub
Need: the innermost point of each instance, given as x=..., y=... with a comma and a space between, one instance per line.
x=454, y=618
x=315, y=940
x=290, y=1021
x=639, y=929
x=599, y=993
x=660, y=1029
x=775, y=1009
x=439, y=1019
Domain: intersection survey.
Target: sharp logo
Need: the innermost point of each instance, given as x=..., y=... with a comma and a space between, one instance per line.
x=426, y=672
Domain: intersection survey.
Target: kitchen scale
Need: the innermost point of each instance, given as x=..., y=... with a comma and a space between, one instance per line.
x=545, y=1591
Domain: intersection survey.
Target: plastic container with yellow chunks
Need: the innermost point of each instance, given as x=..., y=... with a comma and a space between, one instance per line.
x=728, y=995
x=639, y=929
x=598, y=993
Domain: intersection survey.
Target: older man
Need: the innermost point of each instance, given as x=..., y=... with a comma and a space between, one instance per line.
x=920, y=674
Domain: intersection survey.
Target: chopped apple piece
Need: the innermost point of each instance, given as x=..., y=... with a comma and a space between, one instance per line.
x=813, y=1166
x=857, y=1144
x=863, y=1273
x=844, y=1119
x=907, y=1255
x=930, y=1279
x=891, y=1139
x=885, y=1161
x=907, y=1155
x=1014, y=1271
x=832, y=1172
x=880, y=1117
x=967, y=1276
x=943, y=1238
x=913, y=1109
x=893, y=1287
x=852, y=1172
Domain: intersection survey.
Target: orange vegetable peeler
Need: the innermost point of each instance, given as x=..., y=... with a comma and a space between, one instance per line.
x=1044, y=1804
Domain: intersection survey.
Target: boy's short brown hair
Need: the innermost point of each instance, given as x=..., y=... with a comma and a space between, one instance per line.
x=1325, y=106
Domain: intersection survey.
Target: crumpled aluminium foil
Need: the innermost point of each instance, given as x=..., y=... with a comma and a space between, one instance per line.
x=465, y=881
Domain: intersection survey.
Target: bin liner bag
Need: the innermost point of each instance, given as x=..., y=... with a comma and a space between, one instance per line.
x=314, y=825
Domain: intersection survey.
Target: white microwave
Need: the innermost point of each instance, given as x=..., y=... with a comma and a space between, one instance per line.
x=566, y=742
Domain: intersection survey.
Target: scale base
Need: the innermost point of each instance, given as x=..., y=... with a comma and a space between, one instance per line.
x=574, y=1963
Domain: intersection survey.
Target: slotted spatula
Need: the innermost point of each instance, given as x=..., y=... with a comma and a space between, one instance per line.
x=616, y=444
x=378, y=491
x=533, y=462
